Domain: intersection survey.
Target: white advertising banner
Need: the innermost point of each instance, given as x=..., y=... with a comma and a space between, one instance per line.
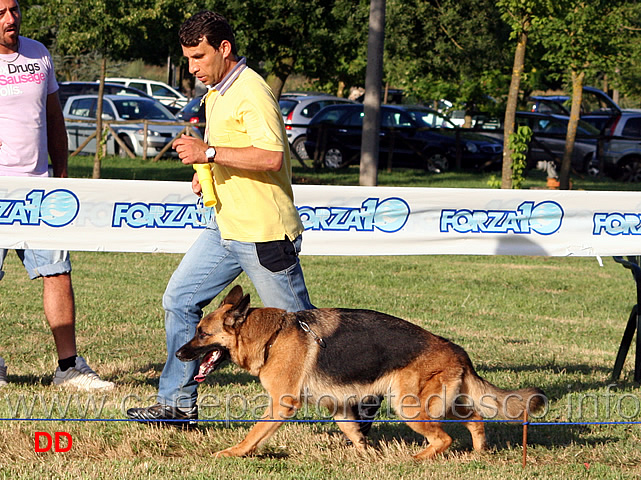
x=151, y=216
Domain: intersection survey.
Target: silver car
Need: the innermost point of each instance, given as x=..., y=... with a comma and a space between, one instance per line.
x=80, y=120
x=622, y=146
x=297, y=110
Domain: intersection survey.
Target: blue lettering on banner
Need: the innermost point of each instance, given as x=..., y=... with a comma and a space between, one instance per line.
x=389, y=215
x=544, y=218
x=616, y=223
x=157, y=215
x=57, y=208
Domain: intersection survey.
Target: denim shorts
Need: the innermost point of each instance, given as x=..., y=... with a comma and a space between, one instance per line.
x=40, y=263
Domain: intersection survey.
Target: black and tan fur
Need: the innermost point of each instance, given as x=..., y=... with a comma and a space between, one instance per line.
x=366, y=353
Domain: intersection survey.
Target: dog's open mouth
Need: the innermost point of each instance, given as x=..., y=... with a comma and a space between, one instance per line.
x=209, y=363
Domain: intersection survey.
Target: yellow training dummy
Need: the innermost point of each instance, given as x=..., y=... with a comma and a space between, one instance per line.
x=206, y=183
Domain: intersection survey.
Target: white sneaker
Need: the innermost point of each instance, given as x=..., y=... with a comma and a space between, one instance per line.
x=3, y=373
x=81, y=376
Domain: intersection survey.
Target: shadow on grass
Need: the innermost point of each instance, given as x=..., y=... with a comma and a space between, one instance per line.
x=500, y=436
x=30, y=380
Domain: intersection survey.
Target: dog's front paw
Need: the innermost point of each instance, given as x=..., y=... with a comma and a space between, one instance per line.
x=229, y=452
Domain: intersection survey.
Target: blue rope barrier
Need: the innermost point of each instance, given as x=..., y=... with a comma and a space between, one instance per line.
x=517, y=422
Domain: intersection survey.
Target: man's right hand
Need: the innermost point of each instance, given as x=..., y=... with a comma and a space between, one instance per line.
x=190, y=149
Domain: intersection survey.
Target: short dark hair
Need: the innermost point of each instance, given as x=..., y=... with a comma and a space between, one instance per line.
x=210, y=25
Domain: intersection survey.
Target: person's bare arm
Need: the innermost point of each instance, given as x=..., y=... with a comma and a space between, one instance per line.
x=57, y=136
x=192, y=150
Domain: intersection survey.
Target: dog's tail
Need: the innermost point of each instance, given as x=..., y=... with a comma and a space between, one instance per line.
x=491, y=401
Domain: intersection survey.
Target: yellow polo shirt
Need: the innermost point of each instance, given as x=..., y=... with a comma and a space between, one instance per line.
x=251, y=206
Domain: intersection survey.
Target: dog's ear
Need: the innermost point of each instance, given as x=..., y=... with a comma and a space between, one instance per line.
x=234, y=296
x=237, y=314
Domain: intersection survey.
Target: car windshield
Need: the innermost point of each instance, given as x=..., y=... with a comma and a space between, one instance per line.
x=586, y=128
x=395, y=119
x=137, y=109
x=286, y=106
x=193, y=106
x=557, y=126
x=332, y=115
x=427, y=118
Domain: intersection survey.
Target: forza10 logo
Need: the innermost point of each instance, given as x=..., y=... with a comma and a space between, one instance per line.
x=544, y=218
x=57, y=208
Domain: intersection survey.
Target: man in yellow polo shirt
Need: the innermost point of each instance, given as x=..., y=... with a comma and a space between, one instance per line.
x=255, y=228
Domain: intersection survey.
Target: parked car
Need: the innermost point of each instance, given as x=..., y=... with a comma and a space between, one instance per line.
x=337, y=131
x=168, y=96
x=597, y=108
x=119, y=108
x=298, y=109
x=479, y=151
x=548, y=143
x=482, y=115
x=622, y=147
x=69, y=89
x=193, y=112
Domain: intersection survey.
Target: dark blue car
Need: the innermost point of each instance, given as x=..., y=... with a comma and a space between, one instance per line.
x=334, y=138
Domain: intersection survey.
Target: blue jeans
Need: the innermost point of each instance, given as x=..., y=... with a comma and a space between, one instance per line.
x=210, y=265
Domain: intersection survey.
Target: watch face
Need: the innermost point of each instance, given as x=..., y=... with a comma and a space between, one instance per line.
x=210, y=152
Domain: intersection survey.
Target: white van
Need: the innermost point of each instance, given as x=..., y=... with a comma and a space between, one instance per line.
x=159, y=90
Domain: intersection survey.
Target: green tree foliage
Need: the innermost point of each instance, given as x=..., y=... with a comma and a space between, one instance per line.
x=627, y=75
x=105, y=26
x=450, y=49
x=583, y=38
x=156, y=38
x=348, y=49
x=285, y=37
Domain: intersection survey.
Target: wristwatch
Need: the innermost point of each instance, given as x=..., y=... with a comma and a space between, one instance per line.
x=210, y=153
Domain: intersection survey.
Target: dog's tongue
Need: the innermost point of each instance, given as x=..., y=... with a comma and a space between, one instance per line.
x=207, y=365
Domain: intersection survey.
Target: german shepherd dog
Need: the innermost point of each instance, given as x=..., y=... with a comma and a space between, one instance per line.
x=336, y=357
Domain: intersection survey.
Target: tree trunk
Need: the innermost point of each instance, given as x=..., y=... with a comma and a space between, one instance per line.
x=368, y=174
x=276, y=80
x=510, y=109
x=101, y=91
x=570, y=137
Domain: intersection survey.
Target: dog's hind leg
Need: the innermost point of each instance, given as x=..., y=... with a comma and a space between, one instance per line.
x=351, y=429
x=435, y=435
x=476, y=428
x=422, y=413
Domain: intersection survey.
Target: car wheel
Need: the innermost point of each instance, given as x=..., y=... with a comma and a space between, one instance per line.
x=127, y=141
x=437, y=163
x=631, y=170
x=593, y=170
x=299, y=147
x=334, y=157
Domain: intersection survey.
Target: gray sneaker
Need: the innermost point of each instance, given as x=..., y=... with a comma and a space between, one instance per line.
x=81, y=377
x=3, y=373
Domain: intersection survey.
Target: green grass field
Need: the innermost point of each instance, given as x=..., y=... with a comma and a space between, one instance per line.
x=550, y=322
